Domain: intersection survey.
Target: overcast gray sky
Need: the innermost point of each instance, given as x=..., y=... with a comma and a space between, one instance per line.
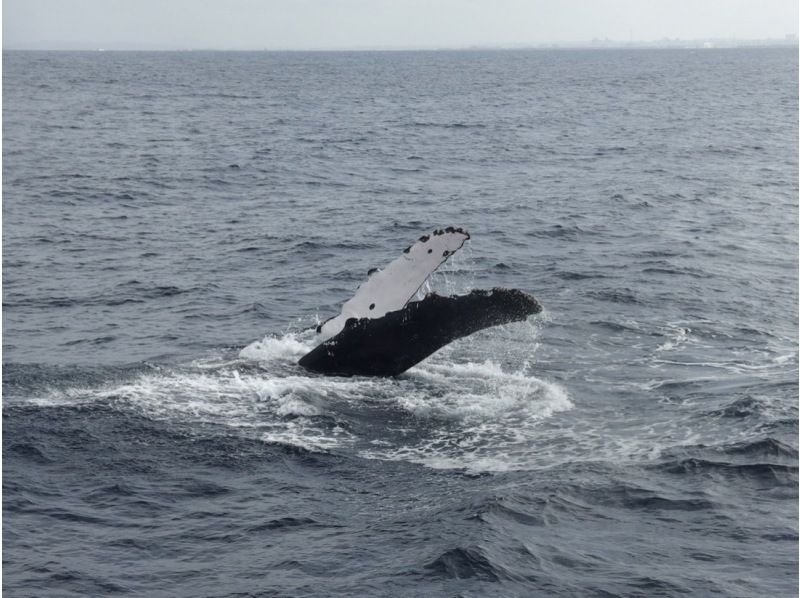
x=334, y=24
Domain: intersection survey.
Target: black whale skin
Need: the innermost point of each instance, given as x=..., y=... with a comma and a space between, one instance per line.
x=388, y=346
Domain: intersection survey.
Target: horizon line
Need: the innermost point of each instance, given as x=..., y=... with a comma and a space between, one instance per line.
x=606, y=43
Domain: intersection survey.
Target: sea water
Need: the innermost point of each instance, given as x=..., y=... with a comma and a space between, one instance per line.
x=175, y=224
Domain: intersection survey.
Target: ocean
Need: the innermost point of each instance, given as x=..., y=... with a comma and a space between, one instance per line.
x=175, y=224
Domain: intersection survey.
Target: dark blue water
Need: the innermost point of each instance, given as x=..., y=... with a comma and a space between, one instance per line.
x=173, y=223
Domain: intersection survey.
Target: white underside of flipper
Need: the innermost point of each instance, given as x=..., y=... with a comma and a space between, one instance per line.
x=391, y=288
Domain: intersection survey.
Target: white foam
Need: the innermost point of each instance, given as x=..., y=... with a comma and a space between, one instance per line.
x=483, y=391
x=225, y=396
x=781, y=359
x=287, y=347
x=679, y=336
x=446, y=412
x=483, y=418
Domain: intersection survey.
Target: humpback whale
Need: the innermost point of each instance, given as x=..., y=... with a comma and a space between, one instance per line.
x=382, y=331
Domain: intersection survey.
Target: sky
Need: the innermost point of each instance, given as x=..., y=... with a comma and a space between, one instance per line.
x=349, y=24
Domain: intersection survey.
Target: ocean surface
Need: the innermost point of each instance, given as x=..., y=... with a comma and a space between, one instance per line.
x=175, y=223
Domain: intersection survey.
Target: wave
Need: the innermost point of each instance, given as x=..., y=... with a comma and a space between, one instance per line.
x=29, y=452
x=764, y=459
x=454, y=125
x=558, y=231
x=620, y=295
x=741, y=407
x=765, y=447
x=464, y=563
x=131, y=291
x=772, y=473
x=512, y=509
x=567, y=275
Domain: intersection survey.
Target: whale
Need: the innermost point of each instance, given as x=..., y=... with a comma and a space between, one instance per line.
x=383, y=330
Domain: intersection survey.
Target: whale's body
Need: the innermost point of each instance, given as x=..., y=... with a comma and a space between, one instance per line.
x=389, y=345
x=381, y=332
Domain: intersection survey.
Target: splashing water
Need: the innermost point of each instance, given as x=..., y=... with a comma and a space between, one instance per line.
x=449, y=411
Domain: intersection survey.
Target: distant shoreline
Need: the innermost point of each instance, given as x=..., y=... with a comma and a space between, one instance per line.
x=676, y=45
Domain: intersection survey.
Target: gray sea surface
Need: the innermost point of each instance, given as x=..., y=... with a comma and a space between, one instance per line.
x=174, y=224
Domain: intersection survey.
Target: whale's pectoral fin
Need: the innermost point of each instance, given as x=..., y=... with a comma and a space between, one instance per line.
x=393, y=287
x=388, y=346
